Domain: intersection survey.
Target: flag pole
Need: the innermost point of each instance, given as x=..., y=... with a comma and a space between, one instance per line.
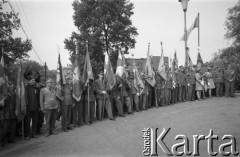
x=198, y=30
x=21, y=101
x=45, y=72
x=61, y=84
x=88, y=87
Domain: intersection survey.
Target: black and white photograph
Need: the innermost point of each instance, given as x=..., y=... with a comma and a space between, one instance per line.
x=119, y=78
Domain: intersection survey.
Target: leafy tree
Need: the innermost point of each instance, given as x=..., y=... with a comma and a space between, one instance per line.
x=233, y=24
x=14, y=47
x=106, y=25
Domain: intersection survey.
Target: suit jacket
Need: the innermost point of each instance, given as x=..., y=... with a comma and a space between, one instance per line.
x=100, y=86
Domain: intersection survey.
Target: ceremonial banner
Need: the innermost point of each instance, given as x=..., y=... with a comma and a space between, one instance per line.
x=59, y=79
x=150, y=75
x=87, y=69
x=194, y=25
x=20, y=110
x=109, y=76
x=77, y=85
x=120, y=65
x=138, y=84
x=161, y=67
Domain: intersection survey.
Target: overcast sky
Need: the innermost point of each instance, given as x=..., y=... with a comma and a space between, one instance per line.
x=49, y=22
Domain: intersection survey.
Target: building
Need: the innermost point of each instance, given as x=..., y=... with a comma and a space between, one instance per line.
x=67, y=71
x=141, y=62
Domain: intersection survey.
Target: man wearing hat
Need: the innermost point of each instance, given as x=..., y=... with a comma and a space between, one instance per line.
x=33, y=106
x=180, y=78
x=103, y=98
x=49, y=105
x=68, y=103
x=229, y=76
x=134, y=92
x=143, y=96
x=190, y=76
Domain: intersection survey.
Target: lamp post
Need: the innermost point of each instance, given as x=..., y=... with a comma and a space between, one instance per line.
x=184, y=6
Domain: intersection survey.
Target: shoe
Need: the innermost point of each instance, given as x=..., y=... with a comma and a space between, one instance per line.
x=11, y=141
x=69, y=128
x=65, y=130
x=28, y=138
x=113, y=119
x=34, y=136
x=53, y=133
x=47, y=134
x=75, y=125
x=121, y=116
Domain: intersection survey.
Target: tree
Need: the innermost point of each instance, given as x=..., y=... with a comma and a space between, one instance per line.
x=105, y=25
x=14, y=47
x=233, y=24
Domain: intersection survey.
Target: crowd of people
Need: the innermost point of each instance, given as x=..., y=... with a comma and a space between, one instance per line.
x=96, y=103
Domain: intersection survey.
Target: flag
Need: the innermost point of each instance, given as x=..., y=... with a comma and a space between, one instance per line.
x=161, y=67
x=150, y=75
x=203, y=69
x=3, y=78
x=194, y=25
x=120, y=65
x=199, y=59
x=20, y=110
x=87, y=69
x=188, y=61
x=59, y=79
x=175, y=60
x=109, y=77
x=138, y=84
x=77, y=84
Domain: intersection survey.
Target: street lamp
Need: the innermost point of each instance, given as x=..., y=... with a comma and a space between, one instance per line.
x=184, y=6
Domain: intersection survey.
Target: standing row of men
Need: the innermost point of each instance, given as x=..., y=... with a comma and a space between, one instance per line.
x=181, y=84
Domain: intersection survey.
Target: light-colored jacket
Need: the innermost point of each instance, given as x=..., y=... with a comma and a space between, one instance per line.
x=48, y=99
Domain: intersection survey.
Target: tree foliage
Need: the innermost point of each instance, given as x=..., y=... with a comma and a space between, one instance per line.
x=233, y=24
x=14, y=47
x=106, y=25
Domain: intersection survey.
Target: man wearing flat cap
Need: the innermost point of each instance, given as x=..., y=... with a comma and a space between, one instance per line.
x=103, y=98
x=33, y=106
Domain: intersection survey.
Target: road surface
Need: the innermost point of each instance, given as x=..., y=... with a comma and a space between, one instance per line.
x=123, y=137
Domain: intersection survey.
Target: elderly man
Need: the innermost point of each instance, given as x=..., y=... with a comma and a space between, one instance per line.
x=49, y=106
x=68, y=103
x=103, y=98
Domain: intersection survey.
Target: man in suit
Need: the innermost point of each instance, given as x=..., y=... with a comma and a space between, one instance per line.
x=229, y=76
x=103, y=98
x=134, y=93
x=115, y=96
x=218, y=79
x=68, y=103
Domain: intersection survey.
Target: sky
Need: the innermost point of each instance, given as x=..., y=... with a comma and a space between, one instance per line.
x=48, y=22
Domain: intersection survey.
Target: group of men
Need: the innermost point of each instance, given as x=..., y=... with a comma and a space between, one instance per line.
x=97, y=102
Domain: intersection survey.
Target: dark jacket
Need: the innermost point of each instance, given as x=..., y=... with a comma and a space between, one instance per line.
x=33, y=95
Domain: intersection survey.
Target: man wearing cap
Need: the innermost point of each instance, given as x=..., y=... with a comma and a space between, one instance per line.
x=103, y=98
x=68, y=103
x=115, y=96
x=32, y=93
x=158, y=88
x=134, y=93
x=49, y=105
x=168, y=87
x=180, y=84
x=229, y=76
x=143, y=96
x=190, y=77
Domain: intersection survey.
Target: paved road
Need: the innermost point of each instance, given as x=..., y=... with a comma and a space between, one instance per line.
x=124, y=136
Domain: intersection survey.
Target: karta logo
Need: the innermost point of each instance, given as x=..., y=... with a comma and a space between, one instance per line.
x=154, y=141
